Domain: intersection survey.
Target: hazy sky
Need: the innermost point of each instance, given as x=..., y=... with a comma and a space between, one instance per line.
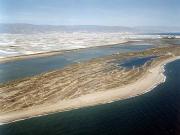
x=92, y=12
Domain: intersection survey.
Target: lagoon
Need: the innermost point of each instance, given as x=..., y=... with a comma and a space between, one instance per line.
x=29, y=67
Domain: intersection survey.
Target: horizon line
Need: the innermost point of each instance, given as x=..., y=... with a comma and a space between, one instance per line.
x=89, y=25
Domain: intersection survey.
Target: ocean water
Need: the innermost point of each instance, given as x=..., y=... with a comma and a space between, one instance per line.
x=24, y=68
x=154, y=113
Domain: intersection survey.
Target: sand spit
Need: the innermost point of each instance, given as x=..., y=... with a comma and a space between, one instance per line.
x=141, y=84
x=145, y=84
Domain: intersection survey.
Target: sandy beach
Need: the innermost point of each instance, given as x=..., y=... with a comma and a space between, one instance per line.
x=153, y=77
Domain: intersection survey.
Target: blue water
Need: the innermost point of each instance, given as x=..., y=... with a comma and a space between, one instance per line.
x=24, y=68
x=135, y=61
x=154, y=113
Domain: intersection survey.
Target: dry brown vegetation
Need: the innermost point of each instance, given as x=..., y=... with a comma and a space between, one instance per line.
x=99, y=74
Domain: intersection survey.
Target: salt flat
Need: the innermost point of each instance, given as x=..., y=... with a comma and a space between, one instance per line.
x=24, y=44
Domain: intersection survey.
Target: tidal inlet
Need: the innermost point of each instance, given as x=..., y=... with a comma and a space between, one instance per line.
x=84, y=68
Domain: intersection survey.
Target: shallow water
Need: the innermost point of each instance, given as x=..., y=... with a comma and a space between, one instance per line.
x=154, y=113
x=170, y=41
x=135, y=61
x=24, y=68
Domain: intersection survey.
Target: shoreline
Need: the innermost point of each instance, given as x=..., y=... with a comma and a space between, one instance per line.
x=52, y=53
x=155, y=75
x=58, y=52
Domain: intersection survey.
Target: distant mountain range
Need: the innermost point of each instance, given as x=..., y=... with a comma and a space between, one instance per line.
x=31, y=28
